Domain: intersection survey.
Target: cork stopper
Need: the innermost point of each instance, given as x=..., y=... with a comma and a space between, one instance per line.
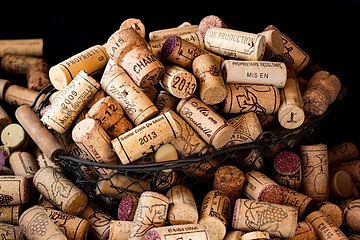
x=351, y=215
x=342, y=152
x=178, y=81
x=15, y=190
x=256, y=235
x=28, y=47
x=210, y=21
x=23, y=163
x=184, y=231
x=341, y=184
x=14, y=136
x=287, y=166
x=120, y=230
x=274, y=45
x=333, y=212
x=127, y=207
x=4, y=84
x=135, y=24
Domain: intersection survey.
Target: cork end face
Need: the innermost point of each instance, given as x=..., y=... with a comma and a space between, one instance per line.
x=210, y=21
x=127, y=207
x=153, y=76
x=169, y=46
x=290, y=116
x=152, y=235
x=58, y=77
x=213, y=95
x=287, y=162
x=84, y=129
x=271, y=194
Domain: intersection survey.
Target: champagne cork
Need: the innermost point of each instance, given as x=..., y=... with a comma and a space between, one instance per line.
x=242, y=98
x=233, y=235
x=137, y=106
x=145, y=138
x=230, y=180
x=213, y=128
x=166, y=100
x=70, y=102
x=291, y=114
x=324, y=227
x=235, y=44
x=178, y=81
x=321, y=91
x=293, y=56
x=247, y=128
x=165, y=33
x=315, y=182
x=134, y=24
x=18, y=64
x=150, y=213
x=37, y=225
x=60, y=191
x=120, y=230
x=9, y=231
x=214, y=213
x=211, y=84
x=287, y=166
x=333, y=212
x=184, y=232
x=277, y=220
x=74, y=228
x=301, y=202
x=182, y=206
x=10, y=214
x=256, y=235
x=14, y=190
x=209, y=22
x=4, y=119
x=261, y=188
x=350, y=166
x=99, y=221
x=92, y=139
x=110, y=115
x=23, y=163
x=254, y=72
x=43, y=138
x=128, y=49
x=274, y=45
x=4, y=84
x=28, y=47
x=38, y=75
x=351, y=216
x=17, y=96
x=91, y=60
x=14, y=137
x=341, y=185
x=127, y=208
x=342, y=152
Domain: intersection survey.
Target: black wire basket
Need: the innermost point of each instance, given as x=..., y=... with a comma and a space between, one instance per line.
x=107, y=184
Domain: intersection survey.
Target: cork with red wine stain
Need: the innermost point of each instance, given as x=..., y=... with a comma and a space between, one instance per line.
x=127, y=208
x=287, y=166
x=210, y=21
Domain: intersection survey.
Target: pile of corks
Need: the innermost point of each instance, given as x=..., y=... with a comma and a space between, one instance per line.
x=138, y=101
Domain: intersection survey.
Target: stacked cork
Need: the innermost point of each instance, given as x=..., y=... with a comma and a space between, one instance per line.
x=189, y=91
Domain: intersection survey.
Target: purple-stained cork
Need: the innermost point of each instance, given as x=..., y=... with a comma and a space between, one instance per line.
x=2, y=160
x=287, y=162
x=127, y=208
x=152, y=235
x=271, y=194
x=210, y=21
x=169, y=46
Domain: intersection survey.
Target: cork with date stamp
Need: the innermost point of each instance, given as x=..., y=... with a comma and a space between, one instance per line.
x=183, y=232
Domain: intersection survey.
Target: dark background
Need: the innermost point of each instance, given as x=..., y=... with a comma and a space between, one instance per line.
x=327, y=30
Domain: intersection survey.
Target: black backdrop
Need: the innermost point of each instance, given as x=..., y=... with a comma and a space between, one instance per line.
x=326, y=30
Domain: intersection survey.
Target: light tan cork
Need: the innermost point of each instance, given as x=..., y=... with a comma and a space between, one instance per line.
x=166, y=100
x=333, y=212
x=18, y=64
x=14, y=190
x=135, y=24
x=23, y=163
x=27, y=47
x=120, y=230
x=183, y=231
x=16, y=95
x=11, y=231
x=256, y=235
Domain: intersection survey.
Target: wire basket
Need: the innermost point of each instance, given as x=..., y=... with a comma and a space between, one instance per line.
x=107, y=184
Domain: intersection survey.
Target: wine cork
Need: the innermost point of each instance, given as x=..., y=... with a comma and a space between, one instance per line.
x=351, y=216
x=213, y=128
x=214, y=213
x=28, y=47
x=120, y=230
x=10, y=231
x=127, y=208
x=91, y=60
x=287, y=166
x=4, y=84
x=293, y=56
x=178, y=81
x=17, y=96
x=165, y=33
x=256, y=235
x=4, y=119
x=315, y=182
x=211, y=84
x=92, y=139
x=182, y=206
x=14, y=137
x=10, y=214
x=134, y=24
x=37, y=225
x=38, y=75
x=14, y=190
x=350, y=166
x=166, y=100
x=60, y=190
x=247, y=128
x=254, y=72
x=128, y=49
x=242, y=98
x=166, y=152
x=291, y=111
x=23, y=163
x=209, y=22
x=341, y=184
x=99, y=221
x=342, y=152
x=233, y=235
x=5, y=151
x=43, y=138
x=236, y=44
x=70, y=102
x=203, y=170
x=18, y=64
x=301, y=202
x=137, y=106
x=110, y=115
x=259, y=187
x=324, y=227
x=230, y=180
x=150, y=213
x=321, y=91
x=74, y=228
x=332, y=211
x=277, y=220
x=167, y=178
x=274, y=45
x=145, y=138
x=184, y=232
